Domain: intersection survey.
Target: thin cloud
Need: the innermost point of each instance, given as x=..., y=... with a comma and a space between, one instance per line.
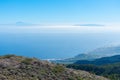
x=97, y=25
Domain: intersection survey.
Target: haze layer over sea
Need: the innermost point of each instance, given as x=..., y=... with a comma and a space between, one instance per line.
x=49, y=43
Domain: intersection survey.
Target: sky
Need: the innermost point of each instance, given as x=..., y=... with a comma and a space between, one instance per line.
x=60, y=12
x=96, y=22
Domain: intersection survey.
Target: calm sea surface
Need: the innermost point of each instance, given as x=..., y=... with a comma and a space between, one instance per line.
x=51, y=45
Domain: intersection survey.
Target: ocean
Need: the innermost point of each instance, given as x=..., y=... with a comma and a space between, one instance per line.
x=53, y=45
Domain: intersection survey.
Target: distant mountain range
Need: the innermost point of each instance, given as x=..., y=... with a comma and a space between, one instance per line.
x=94, y=54
x=101, y=61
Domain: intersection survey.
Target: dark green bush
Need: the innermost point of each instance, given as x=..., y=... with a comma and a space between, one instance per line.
x=8, y=56
x=27, y=61
x=58, y=69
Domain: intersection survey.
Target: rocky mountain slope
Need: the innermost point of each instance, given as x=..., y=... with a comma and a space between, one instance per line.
x=21, y=68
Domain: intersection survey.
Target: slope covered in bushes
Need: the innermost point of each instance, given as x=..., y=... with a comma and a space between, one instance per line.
x=21, y=68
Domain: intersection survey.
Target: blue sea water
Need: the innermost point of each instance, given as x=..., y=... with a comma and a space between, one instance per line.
x=52, y=45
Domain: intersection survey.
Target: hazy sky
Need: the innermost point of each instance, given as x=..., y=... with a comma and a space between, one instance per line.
x=60, y=11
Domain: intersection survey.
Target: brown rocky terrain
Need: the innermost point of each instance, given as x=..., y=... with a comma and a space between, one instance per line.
x=21, y=68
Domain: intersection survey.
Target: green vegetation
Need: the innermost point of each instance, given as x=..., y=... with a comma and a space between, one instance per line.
x=101, y=61
x=106, y=66
x=111, y=71
x=8, y=56
x=58, y=69
x=27, y=60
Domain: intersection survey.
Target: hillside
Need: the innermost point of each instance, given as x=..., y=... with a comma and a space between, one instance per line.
x=21, y=68
x=111, y=71
x=101, y=61
x=92, y=55
x=76, y=58
x=106, y=66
